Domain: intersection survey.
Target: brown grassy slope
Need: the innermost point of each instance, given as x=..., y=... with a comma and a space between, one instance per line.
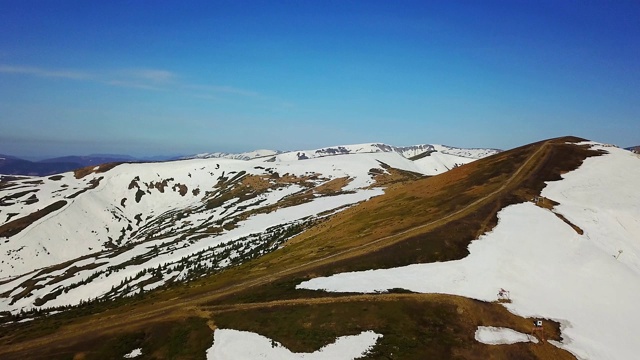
x=82, y=172
x=425, y=220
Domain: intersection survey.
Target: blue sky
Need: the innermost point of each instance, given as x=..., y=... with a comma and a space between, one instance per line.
x=177, y=77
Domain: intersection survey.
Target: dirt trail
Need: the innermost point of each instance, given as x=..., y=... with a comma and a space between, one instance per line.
x=101, y=324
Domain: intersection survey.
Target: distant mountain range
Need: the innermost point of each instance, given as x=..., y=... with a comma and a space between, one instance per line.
x=12, y=165
x=635, y=149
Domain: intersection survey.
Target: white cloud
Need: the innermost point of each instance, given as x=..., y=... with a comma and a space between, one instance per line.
x=152, y=75
x=144, y=79
x=35, y=71
x=223, y=90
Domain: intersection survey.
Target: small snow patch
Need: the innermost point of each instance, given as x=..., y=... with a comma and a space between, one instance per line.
x=233, y=344
x=498, y=336
x=134, y=353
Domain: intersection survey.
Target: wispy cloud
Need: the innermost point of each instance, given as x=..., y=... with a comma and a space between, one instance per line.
x=133, y=85
x=143, y=79
x=40, y=72
x=217, y=89
x=147, y=79
x=151, y=75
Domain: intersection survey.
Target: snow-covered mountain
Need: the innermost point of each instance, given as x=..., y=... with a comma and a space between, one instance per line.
x=429, y=159
x=99, y=232
x=406, y=151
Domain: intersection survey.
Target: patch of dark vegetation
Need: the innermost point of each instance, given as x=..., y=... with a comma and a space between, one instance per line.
x=181, y=188
x=10, y=216
x=400, y=291
x=139, y=195
x=11, y=228
x=56, y=177
x=160, y=186
x=422, y=155
x=8, y=200
x=195, y=191
x=93, y=183
x=34, y=182
x=134, y=183
x=237, y=176
x=573, y=226
x=376, y=171
x=31, y=200
x=123, y=201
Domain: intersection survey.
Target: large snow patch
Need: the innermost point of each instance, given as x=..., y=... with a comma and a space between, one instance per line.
x=233, y=344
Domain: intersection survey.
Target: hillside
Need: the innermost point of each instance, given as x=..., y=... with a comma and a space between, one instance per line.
x=113, y=230
x=439, y=221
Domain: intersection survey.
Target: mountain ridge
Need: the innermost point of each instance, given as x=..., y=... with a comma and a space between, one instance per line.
x=406, y=151
x=12, y=165
x=415, y=220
